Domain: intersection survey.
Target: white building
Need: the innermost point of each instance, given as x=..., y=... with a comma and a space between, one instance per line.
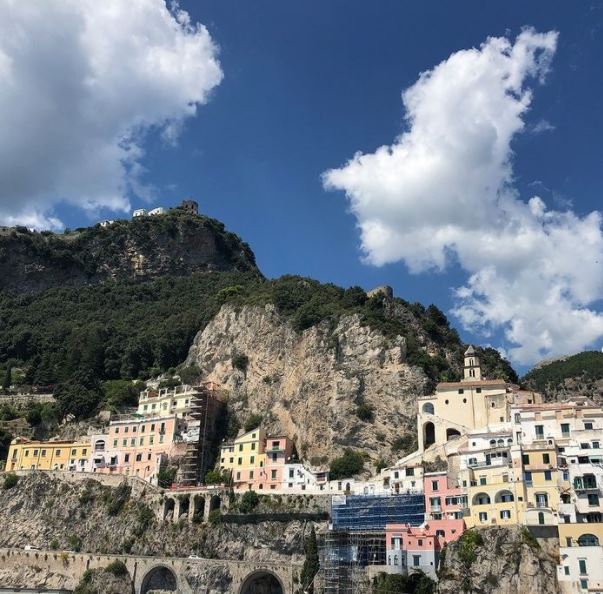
x=139, y=212
x=157, y=211
x=166, y=401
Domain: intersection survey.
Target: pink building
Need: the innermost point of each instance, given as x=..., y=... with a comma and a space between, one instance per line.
x=137, y=446
x=410, y=548
x=443, y=501
x=277, y=451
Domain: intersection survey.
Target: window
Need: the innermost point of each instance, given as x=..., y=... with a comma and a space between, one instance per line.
x=43, y=453
x=565, y=429
x=434, y=485
x=588, y=425
x=252, y=459
x=238, y=476
x=547, y=475
x=527, y=476
x=505, y=514
x=253, y=445
x=115, y=443
x=124, y=442
x=274, y=457
x=151, y=440
x=593, y=499
x=134, y=429
x=539, y=429
x=410, y=472
x=58, y=453
x=240, y=447
x=546, y=458
x=517, y=418
x=142, y=429
x=525, y=458
x=541, y=518
x=133, y=441
x=239, y=461
x=127, y=458
x=482, y=480
x=461, y=391
x=291, y=473
x=596, y=445
x=483, y=516
x=566, y=570
x=416, y=560
x=152, y=426
x=582, y=566
x=273, y=475
x=478, y=390
x=126, y=429
x=396, y=474
x=141, y=441
x=420, y=542
x=251, y=475
x=138, y=457
x=542, y=500
x=584, y=584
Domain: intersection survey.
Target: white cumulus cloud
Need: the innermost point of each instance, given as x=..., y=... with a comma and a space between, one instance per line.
x=444, y=193
x=81, y=82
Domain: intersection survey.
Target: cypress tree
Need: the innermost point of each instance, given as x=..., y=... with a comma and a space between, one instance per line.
x=311, y=563
x=8, y=378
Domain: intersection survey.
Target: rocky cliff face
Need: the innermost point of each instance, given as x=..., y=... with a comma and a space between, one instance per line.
x=46, y=512
x=310, y=385
x=147, y=247
x=497, y=561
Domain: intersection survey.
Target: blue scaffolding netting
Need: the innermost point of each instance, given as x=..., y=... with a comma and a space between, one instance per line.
x=373, y=512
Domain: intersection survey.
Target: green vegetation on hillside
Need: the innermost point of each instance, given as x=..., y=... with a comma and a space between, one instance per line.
x=586, y=366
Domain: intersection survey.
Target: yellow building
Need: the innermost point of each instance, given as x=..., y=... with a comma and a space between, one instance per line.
x=541, y=482
x=47, y=455
x=494, y=496
x=244, y=456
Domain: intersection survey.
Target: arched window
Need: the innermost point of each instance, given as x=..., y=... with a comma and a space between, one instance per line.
x=492, y=442
x=504, y=497
x=588, y=540
x=500, y=442
x=99, y=445
x=428, y=408
x=481, y=499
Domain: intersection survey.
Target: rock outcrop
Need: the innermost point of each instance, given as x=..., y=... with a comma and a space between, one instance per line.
x=497, y=561
x=311, y=385
x=48, y=512
x=143, y=248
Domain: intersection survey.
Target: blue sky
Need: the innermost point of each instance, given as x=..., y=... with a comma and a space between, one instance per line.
x=308, y=84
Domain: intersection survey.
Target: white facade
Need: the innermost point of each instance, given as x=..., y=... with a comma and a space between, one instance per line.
x=157, y=211
x=139, y=212
x=580, y=570
x=405, y=478
x=298, y=478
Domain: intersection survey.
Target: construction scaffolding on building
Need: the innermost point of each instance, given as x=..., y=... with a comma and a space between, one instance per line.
x=206, y=407
x=356, y=538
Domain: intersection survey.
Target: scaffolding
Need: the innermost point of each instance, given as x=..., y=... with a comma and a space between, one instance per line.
x=205, y=409
x=356, y=538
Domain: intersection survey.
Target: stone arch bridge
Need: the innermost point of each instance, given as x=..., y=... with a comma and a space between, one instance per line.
x=172, y=574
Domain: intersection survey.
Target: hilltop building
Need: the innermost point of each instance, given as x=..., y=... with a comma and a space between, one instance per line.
x=457, y=408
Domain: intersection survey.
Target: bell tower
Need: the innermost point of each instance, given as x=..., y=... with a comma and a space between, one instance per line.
x=472, y=370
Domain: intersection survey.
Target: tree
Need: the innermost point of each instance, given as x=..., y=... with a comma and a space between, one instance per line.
x=311, y=563
x=5, y=439
x=121, y=393
x=166, y=476
x=8, y=378
x=253, y=422
x=249, y=502
x=345, y=466
x=80, y=395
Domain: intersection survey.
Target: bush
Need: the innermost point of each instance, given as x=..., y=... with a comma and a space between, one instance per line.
x=240, y=361
x=10, y=481
x=75, y=543
x=118, y=498
x=117, y=568
x=249, y=502
x=215, y=517
x=365, y=412
x=404, y=443
x=345, y=466
x=253, y=422
x=166, y=476
x=215, y=477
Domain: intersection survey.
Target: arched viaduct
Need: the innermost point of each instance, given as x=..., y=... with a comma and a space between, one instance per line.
x=175, y=574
